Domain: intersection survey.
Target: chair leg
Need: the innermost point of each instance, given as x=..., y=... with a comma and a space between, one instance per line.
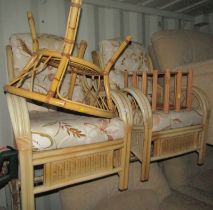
x=125, y=158
x=146, y=155
x=26, y=168
x=202, y=150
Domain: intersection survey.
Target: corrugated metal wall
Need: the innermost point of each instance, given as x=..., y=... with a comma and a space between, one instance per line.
x=97, y=23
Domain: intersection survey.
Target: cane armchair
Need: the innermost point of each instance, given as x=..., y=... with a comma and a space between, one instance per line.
x=59, y=147
x=170, y=116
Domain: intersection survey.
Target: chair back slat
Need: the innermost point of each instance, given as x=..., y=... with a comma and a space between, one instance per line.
x=178, y=90
x=166, y=91
x=135, y=80
x=189, y=90
x=126, y=79
x=154, y=90
x=144, y=83
x=167, y=100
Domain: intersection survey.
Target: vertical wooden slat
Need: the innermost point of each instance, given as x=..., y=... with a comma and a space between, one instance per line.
x=126, y=79
x=178, y=90
x=135, y=80
x=144, y=83
x=154, y=90
x=166, y=91
x=189, y=90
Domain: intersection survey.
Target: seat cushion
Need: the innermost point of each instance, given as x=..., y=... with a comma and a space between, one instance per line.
x=52, y=130
x=173, y=119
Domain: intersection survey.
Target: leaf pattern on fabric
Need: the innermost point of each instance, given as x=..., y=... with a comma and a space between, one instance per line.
x=67, y=128
x=24, y=47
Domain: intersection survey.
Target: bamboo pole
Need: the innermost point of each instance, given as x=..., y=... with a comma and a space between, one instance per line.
x=154, y=90
x=178, y=90
x=31, y=22
x=166, y=91
x=69, y=41
x=108, y=67
x=189, y=90
x=73, y=76
x=95, y=58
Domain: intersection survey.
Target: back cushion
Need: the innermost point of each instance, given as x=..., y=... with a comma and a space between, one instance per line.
x=134, y=58
x=175, y=48
x=22, y=51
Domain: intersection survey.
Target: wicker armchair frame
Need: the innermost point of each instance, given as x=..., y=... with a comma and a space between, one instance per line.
x=146, y=145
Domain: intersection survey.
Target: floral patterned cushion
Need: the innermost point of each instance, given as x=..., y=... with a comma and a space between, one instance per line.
x=173, y=119
x=52, y=130
x=22, y=51
x=134, y=58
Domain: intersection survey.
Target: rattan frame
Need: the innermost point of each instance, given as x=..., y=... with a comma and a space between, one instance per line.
x=65, y=61
x=116, y=153
x=167, y=143
x=99, y=159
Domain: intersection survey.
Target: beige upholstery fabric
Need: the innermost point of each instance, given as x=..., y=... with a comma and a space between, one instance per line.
x=185, y=176
x=52, y=130
x=173, y=119
x=135, y=200
x=174, y=48
x=180, y=201
x=188, y=50
x=86, y=196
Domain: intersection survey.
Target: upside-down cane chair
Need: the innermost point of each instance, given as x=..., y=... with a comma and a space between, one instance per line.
x=59, y=147
x=41, y=59
x=170, y=116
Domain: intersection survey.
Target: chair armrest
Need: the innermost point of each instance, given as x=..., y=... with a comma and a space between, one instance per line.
x=19, y=116
x=123, y=106
x=203, y=103
x=140, y=100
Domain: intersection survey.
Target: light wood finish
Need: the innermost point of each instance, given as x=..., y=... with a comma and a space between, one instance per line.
x=73, y=75
x=147, y=145
x=67, y=166
x=135, y=80
x=169, y=142
x=166, y=92
x=125, y=79
x=189, y=90
x=64, y=62
x=178, y=90
x=154, y=90
x=144, y=83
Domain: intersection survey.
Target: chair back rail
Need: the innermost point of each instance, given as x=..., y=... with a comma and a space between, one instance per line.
x=169, y=78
